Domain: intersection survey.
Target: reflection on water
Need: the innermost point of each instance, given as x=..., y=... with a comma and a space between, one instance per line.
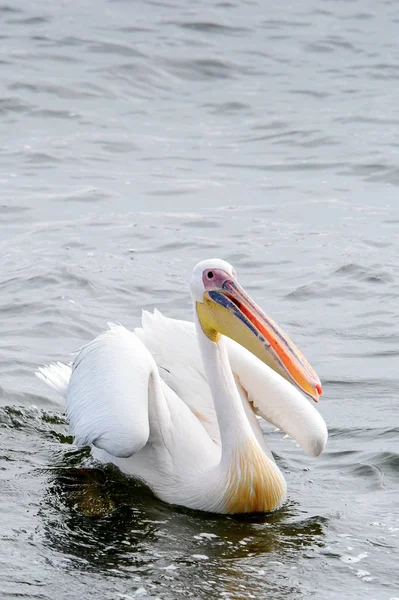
x=107, y=521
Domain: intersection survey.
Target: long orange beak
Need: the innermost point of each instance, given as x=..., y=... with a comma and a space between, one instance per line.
x=230, y=311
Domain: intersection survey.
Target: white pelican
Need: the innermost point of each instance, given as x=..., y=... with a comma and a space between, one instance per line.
x=174, y=403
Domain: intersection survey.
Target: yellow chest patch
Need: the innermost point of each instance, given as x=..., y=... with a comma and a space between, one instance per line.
x=254, y=482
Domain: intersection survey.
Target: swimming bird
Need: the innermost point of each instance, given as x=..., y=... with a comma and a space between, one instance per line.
x=174, y=403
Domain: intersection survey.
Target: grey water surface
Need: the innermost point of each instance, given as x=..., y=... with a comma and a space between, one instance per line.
x=136, y=138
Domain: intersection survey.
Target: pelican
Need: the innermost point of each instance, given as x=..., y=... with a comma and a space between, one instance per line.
x=174, y=403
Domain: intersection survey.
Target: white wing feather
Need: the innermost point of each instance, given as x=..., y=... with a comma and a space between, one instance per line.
x=107, y=395
x=277, y=401
x=57, y=376
x=173, y=344
x=174, y=347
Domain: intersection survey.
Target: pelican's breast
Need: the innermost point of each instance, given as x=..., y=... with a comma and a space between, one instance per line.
x=254, y=483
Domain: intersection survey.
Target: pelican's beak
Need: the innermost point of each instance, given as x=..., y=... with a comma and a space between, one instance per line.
x=228, y=310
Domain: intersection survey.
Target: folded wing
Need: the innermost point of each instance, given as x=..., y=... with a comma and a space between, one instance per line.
x=174, y=347
x=107, y=388
x=173, y=344
x=106, y=392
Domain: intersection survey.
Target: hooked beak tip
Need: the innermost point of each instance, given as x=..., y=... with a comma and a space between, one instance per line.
x=318, y=392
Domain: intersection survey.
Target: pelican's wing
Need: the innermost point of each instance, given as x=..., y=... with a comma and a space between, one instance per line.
x=107, y=393
x=57, y=376
x=174, y=346
x=277, y=401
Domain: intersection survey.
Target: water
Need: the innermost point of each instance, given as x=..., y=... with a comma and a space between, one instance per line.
x=136, y=139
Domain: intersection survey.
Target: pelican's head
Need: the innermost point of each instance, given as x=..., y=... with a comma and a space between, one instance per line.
x=223, y=307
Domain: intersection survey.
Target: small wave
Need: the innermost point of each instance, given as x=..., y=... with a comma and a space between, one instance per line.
x=38, y=421
x=108, y=47
x=363, y=432
x=311, y=290
x=205, y=68
x=213, y=28
x=227, y=108
x=380, y=470
x=373, y=274
x=11, y=10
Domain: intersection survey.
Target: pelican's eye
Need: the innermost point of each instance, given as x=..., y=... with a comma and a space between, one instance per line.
x=210, y=274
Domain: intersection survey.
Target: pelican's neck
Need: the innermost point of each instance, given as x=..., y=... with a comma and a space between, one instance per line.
x=249, y=481
x=233, y=423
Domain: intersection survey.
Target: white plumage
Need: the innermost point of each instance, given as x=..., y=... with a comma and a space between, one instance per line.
x=148, y=402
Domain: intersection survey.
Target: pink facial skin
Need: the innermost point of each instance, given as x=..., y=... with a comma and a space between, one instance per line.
x=213, y=279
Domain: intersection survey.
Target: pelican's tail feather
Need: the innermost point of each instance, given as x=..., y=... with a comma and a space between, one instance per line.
x=56, y=375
